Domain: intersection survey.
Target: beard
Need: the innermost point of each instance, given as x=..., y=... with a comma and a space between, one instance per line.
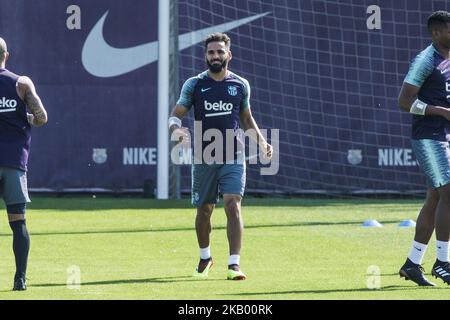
x=216, y=67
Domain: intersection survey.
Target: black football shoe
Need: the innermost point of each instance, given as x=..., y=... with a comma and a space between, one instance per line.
x=20, y=284
x=441, y=270
x=415, y=273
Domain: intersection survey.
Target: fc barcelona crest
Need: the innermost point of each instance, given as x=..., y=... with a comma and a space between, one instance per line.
x=232, y=91
x=99, y=155
x=354, y=156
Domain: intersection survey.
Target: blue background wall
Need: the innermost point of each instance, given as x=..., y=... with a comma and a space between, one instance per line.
x=317, y=73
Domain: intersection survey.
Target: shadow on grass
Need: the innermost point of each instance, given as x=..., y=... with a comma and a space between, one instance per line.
x=191, y=279
x=382, y=289
x=129, y=281
x=107, y=202
x=150, y=230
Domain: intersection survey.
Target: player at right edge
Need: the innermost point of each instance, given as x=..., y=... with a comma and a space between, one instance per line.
x=425, y=93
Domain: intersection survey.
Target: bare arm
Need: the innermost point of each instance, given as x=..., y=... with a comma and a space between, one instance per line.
x=179, y=132
x=248, y=122
x=27, y=92
x=408, y=94
x=178, y=111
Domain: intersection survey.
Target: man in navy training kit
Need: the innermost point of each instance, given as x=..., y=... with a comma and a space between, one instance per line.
x=221, y=101
x=16, y=94
x=425, y=93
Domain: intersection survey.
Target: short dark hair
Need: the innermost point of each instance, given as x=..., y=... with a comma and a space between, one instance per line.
x=218, y=37
x=438, y=20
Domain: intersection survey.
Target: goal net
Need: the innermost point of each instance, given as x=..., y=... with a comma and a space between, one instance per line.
x=328, y=82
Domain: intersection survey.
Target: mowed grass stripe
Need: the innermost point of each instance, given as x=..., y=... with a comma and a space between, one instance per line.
x=145, y=249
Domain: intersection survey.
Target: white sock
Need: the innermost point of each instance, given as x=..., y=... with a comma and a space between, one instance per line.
x=205, y=253
x=234, y=259
x=417, y=252
x=442, y=250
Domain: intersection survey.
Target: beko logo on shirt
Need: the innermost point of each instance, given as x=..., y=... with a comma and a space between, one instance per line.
x=218, y=106
x=9, y=105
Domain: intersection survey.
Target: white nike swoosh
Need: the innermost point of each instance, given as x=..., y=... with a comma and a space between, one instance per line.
x=204, y=90
x=104, y=61
x=443, y=71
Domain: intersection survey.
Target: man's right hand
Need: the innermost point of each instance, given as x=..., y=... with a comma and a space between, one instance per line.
x=438, y=111
x=30, y=118
x=182, y=135
x=446, y=114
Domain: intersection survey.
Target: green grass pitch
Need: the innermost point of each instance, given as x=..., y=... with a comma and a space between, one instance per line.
x=133, y=248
